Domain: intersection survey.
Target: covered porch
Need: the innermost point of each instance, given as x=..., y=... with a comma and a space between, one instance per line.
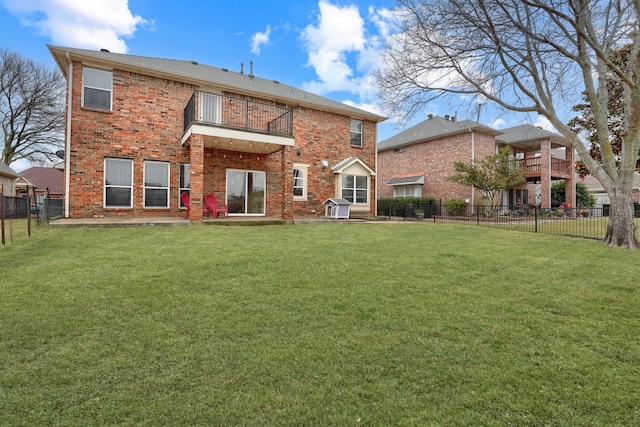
x=236, y=150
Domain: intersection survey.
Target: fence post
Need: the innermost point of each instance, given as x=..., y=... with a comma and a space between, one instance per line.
x=2, y=214
x=477, y=216
x=535, y=218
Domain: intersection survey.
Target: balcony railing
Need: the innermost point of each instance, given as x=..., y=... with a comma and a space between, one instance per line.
x=238, y=113
x=559, y=167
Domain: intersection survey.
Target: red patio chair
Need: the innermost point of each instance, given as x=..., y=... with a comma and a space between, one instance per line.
x=212, y=204
x=186, y=202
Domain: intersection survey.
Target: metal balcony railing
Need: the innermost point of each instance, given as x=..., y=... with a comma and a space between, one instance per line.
x=238, y=113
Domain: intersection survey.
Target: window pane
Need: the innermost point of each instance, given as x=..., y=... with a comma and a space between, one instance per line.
x=185, y=179
x=356, y=125
x=347, y=194
x=361, y=182
x=96, y=78
x=156, y=197
x=118, y=197
x=117, y=172
x=361, y=196
x=347, y=181
x=156, y=174
x=96, y=98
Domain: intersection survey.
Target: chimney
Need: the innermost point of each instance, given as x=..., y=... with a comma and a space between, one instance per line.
x=250, y=68
x=242, y=68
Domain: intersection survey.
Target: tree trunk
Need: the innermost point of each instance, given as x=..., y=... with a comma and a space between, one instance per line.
x=621, y=228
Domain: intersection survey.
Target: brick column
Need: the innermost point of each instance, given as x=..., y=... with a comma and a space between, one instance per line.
x=545, y=174
x=196, y=190
x=570, y=182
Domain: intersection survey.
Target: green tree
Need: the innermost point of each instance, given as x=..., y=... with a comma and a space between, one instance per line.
x=31, y=109
x=583, y=198
x=527, y=56
x=491, y=176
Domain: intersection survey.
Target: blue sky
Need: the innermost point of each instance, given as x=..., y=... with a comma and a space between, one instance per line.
x=328, y=47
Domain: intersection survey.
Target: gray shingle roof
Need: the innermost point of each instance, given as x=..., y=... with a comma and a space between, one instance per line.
x=7, y=171
x=527, y=133
x=200, y=74
x=430, y=129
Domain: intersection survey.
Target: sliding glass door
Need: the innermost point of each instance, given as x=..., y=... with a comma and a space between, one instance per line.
x=246, y=192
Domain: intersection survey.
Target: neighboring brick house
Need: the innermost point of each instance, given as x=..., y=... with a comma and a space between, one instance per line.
x=602, y=198
x=419, y=161
x=141, y=131
x=7, y=180
x=39, y=181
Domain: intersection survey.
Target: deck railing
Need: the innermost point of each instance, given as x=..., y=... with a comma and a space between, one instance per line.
x=238, y=113
x=559, y=167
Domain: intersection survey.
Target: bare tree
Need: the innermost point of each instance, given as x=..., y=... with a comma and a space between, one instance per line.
x=31, y=109
x=530, y=56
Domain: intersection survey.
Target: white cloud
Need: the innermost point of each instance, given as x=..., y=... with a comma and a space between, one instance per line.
x=545, y=124
x=260, y=39
x=91, y=24
x=338, y=37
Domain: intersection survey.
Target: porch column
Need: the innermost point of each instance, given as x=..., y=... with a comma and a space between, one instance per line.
x=286, y=170
x=545, y=174
x=196, y=189
x=570, y=182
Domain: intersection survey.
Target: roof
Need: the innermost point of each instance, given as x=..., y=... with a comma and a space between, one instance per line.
x=204, y=75
x=594, y=186
x=523, y=134
x=7, y=171
x=433, y=128
x=407, y=179
x=43, y=178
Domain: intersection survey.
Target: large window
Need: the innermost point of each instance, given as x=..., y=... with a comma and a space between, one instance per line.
x=156, y=184
x=118, y=183
x=356, y=133
x=413, y=190
x=355, y=188
x=300, y=182
x=96, y=88
x=185, y=181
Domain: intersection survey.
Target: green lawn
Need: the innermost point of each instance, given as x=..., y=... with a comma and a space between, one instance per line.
x=374, y=324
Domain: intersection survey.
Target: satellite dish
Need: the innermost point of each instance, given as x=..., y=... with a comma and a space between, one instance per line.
x=60, y=153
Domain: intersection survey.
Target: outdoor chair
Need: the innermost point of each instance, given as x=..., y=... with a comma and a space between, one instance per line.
x=186, y=202
x=212, y=205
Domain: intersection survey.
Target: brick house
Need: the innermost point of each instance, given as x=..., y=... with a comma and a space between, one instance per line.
x=141, y=131
x=7, y=180
x=39, y=181
x=420, y=160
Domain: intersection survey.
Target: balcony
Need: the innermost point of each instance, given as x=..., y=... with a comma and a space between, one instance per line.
x=560, y=168
x=233, y=123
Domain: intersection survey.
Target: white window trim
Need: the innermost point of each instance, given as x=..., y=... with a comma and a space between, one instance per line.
x=145, y=187
x=104, y=189
x=304, y=169
x=98, y=88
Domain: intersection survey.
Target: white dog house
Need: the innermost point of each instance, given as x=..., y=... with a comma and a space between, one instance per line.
x=337, y=208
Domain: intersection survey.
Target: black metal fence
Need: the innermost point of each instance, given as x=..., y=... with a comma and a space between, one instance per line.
x=581, y=222
x=48, y=209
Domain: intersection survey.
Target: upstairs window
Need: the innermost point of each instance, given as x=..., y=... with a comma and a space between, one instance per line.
x=356, y=133
x=96, y=88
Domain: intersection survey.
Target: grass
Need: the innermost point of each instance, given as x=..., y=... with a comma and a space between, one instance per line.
x=339, y=324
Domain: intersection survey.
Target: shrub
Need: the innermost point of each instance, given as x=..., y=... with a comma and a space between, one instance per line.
x=455, y=207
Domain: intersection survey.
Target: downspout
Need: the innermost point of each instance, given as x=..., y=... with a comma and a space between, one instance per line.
x=473, y=162
x=67, y=151
x=375, y=165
